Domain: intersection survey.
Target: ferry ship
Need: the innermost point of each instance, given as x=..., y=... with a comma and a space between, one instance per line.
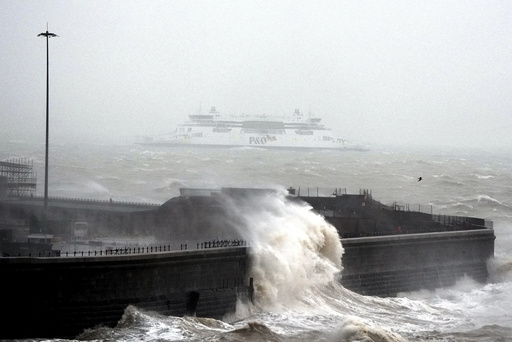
x=214, y=129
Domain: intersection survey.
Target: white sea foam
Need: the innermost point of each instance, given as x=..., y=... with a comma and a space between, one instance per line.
x=292, y=248
x=296, y=263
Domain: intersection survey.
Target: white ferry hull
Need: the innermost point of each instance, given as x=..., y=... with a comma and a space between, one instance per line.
x=294, y=132
x=250, y=140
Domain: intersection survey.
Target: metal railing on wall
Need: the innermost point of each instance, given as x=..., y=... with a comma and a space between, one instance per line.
x=88, y=201
x=317, y=191
x=228, y=243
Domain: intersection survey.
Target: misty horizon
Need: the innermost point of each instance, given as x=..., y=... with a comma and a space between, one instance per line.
x=402, y=73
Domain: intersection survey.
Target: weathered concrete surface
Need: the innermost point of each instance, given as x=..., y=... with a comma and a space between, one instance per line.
x=60, y=297
x=387, y=265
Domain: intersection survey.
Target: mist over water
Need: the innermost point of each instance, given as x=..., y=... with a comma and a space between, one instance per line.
x=296, y=256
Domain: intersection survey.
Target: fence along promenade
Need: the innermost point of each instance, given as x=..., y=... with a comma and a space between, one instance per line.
x=138, y=250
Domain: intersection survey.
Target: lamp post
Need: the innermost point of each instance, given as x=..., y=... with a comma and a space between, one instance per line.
x=47, y=35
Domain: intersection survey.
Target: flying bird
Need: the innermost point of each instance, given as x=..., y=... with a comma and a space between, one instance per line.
x=419, y=179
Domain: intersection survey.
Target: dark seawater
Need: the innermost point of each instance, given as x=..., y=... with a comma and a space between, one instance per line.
x=297, y=257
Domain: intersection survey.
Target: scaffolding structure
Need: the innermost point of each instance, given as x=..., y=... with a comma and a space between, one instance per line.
x=21, y=180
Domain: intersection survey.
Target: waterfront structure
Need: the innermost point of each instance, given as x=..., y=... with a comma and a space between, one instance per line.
x=387, y=250
x=17, y=178
x=63, y=296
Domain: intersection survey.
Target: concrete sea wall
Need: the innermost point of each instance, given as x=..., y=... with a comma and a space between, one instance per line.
x=387, y=265
x=60, y=297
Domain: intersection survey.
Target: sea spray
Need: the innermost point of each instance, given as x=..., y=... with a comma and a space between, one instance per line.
x=292, y=249
x=296, y=264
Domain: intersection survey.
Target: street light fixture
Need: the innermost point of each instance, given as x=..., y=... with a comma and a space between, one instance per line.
x=47, y=35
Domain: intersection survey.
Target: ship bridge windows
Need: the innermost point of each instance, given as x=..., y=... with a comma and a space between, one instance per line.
x=304, y=132
x=263, y=131
x=265, y=127
x=221, y=129
x=201, y=117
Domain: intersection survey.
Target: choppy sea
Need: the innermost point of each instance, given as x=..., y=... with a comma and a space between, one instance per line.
x=297, y=256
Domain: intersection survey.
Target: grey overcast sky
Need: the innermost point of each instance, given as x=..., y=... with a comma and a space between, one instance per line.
x=435, y=73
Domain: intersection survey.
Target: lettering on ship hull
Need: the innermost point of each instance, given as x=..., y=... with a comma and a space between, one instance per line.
x=261, y=140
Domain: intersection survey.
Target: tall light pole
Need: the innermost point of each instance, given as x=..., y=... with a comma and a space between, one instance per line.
x=47, y=35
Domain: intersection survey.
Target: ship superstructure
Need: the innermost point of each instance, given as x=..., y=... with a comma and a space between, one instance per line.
x=214, y=129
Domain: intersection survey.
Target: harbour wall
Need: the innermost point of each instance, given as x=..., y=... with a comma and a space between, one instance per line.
x=388, y=265
x=60, y=297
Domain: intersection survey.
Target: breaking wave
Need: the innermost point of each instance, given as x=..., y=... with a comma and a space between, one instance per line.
x=296, y=264
x=485, y=202
x=293, y=250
